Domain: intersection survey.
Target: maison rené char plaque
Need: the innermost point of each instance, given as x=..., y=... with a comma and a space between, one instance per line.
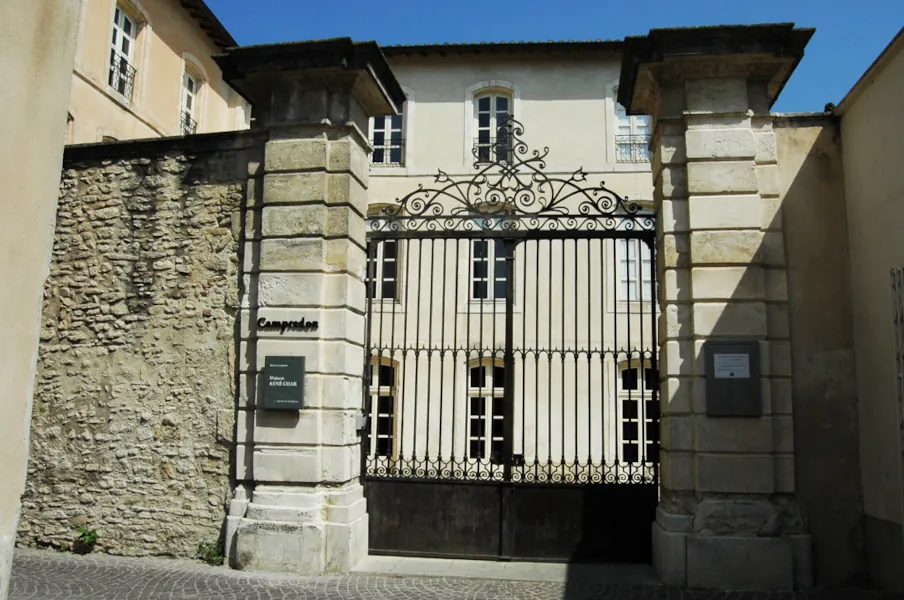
x=283, y=383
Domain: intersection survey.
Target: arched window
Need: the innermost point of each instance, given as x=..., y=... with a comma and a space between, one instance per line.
x=124, y=38
x=637, y=413
x=632, y=139
x=486, y=415
x=383, y=261
x=382, y=385
x=492, y=110
x=193, y=79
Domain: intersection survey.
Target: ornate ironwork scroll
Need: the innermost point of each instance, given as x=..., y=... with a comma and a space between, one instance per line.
x=512, y=191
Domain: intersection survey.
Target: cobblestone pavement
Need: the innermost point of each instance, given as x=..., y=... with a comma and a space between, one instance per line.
x=48, y=575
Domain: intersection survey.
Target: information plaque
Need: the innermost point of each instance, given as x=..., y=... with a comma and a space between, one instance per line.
x=732, y=378
x=283, y=383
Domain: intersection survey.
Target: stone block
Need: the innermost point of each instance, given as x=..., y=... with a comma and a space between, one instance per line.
x=310, y=290
x=673, y=182
x=293, y=254
x=676, y=395
x=287, y=221
x=679, y=523
x=725, y=212
x=715, y=96
x=673, y=216
x=676, y=285
x=769, y=180
x=802, y=552
x=675, y=323
x=777, y=321
x=294, y=188
x=676, y=433
x=674, y=252
x=340, y=463
x=343, y=189
x=772, y=213
x=773, y=249
x=723, y=177
x=726, y=247
x=779, y=359
x=709, y=144
x=715, y=434
x=670, y=556
x=714, y=121
x=341, y=255
x=284, y=465
x=285, y=323
x=735, y=473
x=766, y=147
x=678, y=359
x=671, y=150
x=275, y=547
x=307, y=426
x=676, y=470
x=783, y=434
x=251, y=224
x=741, y=563
x=321, y=356
x=776, y=285
x=730, y=319
x=344, y=222
x=295, y=155
x=728, y=283
x=242, y=465
x=781, y=396
x=346, y=544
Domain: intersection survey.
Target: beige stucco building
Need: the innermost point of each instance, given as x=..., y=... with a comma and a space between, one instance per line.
x=34, y=83
x=144, y=69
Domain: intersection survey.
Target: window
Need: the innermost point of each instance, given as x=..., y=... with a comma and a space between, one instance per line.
x=122, y=70
x=635, y=391
x=486, y=388
x=383, y=391
x=635, y=276
x=383, y=270
x=632, y=142
x=489, y=270
x=190, y=86
x=388, y=143
x=492, y=113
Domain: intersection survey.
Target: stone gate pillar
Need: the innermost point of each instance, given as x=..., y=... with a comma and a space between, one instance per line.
x=728, y=517
x=299, y=504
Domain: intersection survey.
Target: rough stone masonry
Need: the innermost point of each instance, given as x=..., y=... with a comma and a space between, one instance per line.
x=134, y=404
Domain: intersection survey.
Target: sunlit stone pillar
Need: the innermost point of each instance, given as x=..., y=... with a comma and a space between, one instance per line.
x=299, y=505
x=728, y=516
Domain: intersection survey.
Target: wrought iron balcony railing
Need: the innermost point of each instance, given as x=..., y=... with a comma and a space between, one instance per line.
x=388, y=153
x=488, y=150
x=189, y=125
x=632, y=148
x=122, y=76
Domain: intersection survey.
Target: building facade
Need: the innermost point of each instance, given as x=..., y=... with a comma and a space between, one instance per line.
x=144, y=69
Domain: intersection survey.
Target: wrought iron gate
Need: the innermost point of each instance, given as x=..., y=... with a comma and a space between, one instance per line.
x=511, y=381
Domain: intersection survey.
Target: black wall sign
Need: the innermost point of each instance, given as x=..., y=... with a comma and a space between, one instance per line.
x=283, y=382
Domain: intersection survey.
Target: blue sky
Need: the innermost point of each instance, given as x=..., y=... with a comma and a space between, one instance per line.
x=849, y=33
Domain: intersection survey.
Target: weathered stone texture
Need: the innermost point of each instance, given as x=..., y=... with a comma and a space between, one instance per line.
x=134, y=399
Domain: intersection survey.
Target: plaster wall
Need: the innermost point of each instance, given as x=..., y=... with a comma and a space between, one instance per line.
x=826, y=448
x=874, y=187
x=37, y=42
x=167, y=38
x=566, y=102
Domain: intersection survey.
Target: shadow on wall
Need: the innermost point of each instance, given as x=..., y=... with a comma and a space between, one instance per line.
x=809, y=324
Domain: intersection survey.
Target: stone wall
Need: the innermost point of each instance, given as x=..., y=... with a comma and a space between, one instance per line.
x=135, y=394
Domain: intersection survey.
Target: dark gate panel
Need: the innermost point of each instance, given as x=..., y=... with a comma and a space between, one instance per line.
x=512, y=389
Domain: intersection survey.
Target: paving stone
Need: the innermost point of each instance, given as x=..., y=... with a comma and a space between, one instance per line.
x=48, y=575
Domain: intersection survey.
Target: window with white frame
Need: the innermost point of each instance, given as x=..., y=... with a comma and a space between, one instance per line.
x=489, y=270
x=122, y=67
x=491, y=113
x=388, y=141
x=486, y=391
x=635, y=274
x=383, y=270
x=638, y=412
x=190, y=89
x=632, y=141
x=383, y=389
